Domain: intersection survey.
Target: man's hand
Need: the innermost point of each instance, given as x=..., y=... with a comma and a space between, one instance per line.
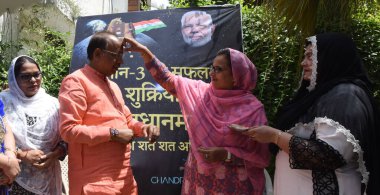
x=125, y=136
x=213, y=154
x=151, y=132
x=47, y=160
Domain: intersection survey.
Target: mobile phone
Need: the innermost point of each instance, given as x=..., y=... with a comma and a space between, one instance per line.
x=238, y=128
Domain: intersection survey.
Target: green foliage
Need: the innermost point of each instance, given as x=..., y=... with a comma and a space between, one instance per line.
x=275, y=55
x=32, y=25
x=313, y=16
x=366, y=33
x=179, y=3
x=300, y=13
x=8, y=50
x=54, y=58
x=48, y=47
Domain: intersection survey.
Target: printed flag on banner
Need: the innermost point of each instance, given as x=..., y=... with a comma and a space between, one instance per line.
x=158, y=168
x=148, y=25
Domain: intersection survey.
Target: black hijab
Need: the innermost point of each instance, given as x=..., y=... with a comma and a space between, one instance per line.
x=338, y=62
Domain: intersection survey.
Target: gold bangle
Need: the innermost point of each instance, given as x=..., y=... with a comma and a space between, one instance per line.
x=10, y=150
x=278, y=136
x=229, y=157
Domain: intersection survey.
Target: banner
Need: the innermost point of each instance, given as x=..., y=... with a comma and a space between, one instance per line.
x=187, y=41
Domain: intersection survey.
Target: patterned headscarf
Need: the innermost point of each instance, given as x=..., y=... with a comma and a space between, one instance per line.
x=208, y=112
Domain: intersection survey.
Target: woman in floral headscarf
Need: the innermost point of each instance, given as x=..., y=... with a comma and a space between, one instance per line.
x=9, y=167
x=220, y=160
x=331, y=126
x=33, y=117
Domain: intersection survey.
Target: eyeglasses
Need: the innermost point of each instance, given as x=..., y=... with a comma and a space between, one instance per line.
x=27, y=77
x=114, y=54
x=215, y=69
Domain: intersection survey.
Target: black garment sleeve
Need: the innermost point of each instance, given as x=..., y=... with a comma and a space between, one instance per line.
x=63, y=145
x=313, y=154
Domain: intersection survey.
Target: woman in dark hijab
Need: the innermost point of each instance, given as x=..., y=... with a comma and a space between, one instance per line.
x=328, y=133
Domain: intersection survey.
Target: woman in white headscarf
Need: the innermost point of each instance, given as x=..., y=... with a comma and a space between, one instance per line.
x=33, y=117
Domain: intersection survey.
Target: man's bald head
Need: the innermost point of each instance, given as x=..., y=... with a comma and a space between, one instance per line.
x=98, y=40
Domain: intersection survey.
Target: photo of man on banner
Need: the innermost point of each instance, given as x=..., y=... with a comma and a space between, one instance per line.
x=200, y=34
x=197, y=28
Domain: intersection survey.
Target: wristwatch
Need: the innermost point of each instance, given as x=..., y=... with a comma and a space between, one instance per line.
x=114, y=133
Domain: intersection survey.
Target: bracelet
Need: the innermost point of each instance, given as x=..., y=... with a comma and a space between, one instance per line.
x=229, y=157
x=63, y=146
x=10, y=150
x=278, y=136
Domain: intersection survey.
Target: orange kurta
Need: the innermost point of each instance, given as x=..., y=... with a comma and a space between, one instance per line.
x=90, y=105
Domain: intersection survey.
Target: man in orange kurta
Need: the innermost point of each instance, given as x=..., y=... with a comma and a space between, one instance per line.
x=97, y=125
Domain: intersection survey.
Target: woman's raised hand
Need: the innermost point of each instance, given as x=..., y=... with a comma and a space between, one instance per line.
x=130, y=44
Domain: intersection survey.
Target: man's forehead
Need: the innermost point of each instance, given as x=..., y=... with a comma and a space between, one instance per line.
x=198, y=17
x=114, y=42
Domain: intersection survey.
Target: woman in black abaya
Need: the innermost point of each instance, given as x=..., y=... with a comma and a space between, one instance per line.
x=329, y=132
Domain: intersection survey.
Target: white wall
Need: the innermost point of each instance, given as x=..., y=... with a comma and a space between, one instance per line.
x=99, y=7
x=159, y=4
x=59, y=22
x=9, y=30
x=59, y=17
x=15, y=4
